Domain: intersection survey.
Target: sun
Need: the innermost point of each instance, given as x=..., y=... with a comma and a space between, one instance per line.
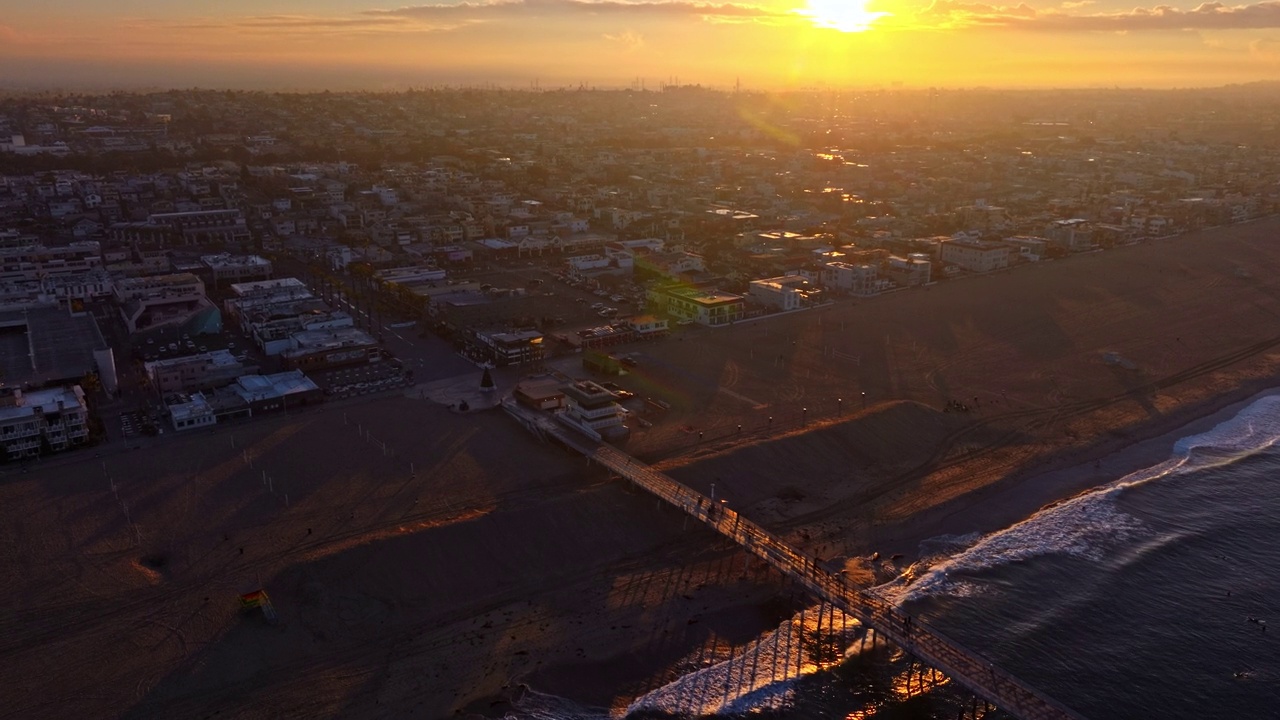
x=843, y=15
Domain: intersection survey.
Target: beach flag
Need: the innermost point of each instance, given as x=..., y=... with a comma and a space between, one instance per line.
x=254, y=599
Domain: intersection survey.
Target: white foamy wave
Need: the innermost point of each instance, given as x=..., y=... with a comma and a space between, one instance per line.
x=1254, y=428
x=1091, y=524
x=1085, y=526
x=762, y=677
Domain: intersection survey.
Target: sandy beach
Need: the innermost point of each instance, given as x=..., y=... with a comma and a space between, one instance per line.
x=427, y=563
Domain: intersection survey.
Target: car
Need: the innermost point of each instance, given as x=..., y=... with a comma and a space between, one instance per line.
x=685, y=321
x=204, y=348
x=616, y=298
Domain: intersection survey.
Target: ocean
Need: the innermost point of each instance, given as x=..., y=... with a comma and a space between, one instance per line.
x=1148, y=597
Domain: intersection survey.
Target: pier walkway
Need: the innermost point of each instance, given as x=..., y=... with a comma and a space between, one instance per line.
x=980, y=676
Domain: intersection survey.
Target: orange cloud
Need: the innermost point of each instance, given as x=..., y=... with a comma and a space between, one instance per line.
x=1207, y=16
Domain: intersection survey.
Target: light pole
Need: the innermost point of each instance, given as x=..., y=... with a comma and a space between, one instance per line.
x=839, y=406
x=804, y=416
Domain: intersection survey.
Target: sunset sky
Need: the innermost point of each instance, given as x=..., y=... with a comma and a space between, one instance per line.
x=609, y=43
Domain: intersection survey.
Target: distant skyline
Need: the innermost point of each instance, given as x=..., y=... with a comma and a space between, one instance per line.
x=768, y=44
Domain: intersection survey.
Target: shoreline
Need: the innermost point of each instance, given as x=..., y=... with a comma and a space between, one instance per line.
x=1022, y=495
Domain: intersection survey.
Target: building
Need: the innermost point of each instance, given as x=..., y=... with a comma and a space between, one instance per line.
x=196, y=372
x=1074, y=235
x=852, y=278
x=977, y=256
x=511, y=348
x=188, y=412
x=43, y=345
x=202, y=227
x=322, y=349
x=648, y=327
x=226, y=268
x=42, y=420
x=910, y=271
x=35, y=261
x=789, y=292
x=146, y=302
x=278, y=392
x=702, y=306
x=540, y=393
x=593, y=411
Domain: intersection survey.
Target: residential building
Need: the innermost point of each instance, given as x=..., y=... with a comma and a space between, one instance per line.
x=789, y=292
x=853, y=279
x=225, y=268
x=699, y=305
x=910, y=271
x=35, y=421
x=977, y=256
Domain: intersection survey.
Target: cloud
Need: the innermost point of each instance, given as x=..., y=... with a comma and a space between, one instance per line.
x=1207, y=16
x=514, y=8
x=306, y=22
x=1076, y=4
x=1265, y=49
x=629, y=40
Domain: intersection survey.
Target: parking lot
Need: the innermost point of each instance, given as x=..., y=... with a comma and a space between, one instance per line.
x=362, y=379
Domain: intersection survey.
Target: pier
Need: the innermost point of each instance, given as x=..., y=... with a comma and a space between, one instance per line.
x=978, y=675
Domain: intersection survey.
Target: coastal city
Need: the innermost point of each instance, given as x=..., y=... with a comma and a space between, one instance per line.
x=252, y=267
x=261, y=352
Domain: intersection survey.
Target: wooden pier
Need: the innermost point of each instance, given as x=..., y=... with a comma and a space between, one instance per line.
x=965, y=667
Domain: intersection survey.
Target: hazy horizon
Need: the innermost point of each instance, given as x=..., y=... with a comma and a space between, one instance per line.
x=765, y=44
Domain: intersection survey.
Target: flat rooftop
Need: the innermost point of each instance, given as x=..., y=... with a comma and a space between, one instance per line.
x=45, y=345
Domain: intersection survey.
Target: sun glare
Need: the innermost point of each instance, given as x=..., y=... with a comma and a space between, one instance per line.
x=842, y=15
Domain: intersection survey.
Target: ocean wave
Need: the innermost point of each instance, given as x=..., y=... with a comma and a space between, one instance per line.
x=1083, y=527
x=1089, y=525
x=763, y=676
x=1253, y=429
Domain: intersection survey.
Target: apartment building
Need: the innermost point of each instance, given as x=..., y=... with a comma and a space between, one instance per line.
x=31, y=422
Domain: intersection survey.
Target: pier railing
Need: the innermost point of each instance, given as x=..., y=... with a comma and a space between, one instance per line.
x=963, y=666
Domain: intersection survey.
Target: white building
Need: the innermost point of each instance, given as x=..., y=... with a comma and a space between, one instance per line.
x=789, y=292
x=910, y=271
x=188, y=412
x=56, y=417
x=593, y=411
x=974, y=255
x=853, y=279
x=705, y=307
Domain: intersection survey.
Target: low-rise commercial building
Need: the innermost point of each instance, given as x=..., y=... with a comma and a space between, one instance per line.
x=593, y=411
x=196, y=372
x=322, y=349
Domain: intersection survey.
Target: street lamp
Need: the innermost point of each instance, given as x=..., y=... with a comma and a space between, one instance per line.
x=839, y=406
x=804, y=416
